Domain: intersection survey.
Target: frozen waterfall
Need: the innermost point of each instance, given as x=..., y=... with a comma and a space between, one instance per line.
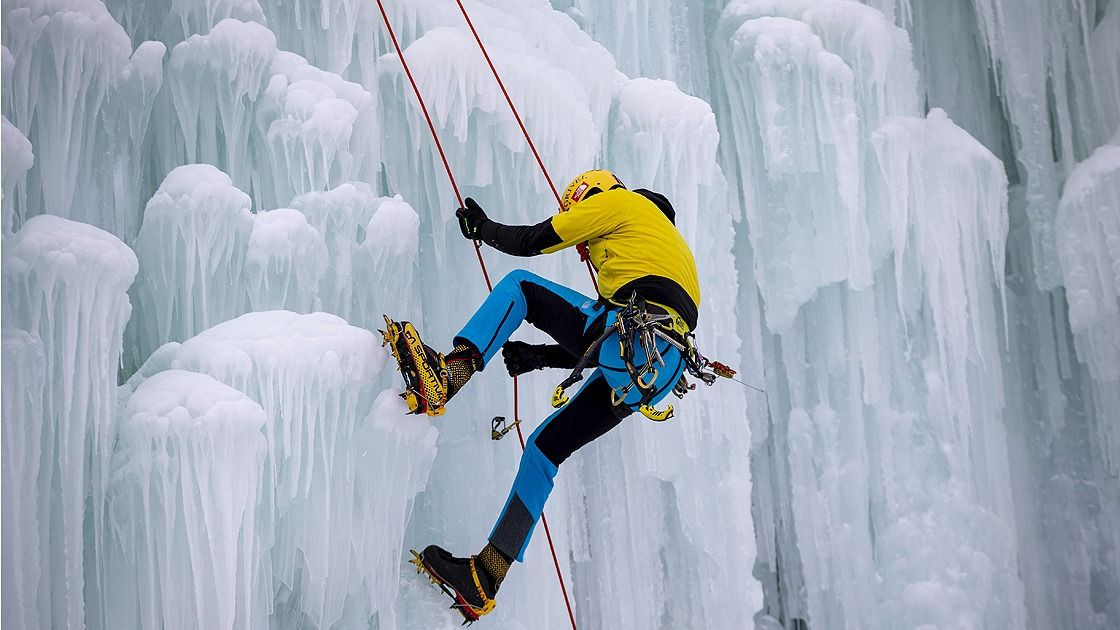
x=906, y=221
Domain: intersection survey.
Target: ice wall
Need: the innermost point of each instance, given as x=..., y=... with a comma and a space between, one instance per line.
x=80, y=93
x=852, y=232
x=65, y=307
x=188, y=482
x=276, y=124
x=17, y=158
x=331, y=524
x=923, y=454
x=200, y=238
x=1088, y=240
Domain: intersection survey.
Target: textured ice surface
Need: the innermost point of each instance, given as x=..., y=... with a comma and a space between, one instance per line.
x=1088, y=229
x=65, y=295
x=17, y=158
x=285, y=262
x=338, y=527
x=172, y=21
x=192, y=249
x=215, y=80
x=23, y=384
x=277, y=125
x=385, y=263
x=199, y=238
x=187, y=521
x=337, y=215
x=82, y=96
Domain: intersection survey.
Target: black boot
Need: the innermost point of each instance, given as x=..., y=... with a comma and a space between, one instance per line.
x=465, y=580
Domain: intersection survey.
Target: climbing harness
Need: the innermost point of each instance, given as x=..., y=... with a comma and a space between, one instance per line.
x=636, y=321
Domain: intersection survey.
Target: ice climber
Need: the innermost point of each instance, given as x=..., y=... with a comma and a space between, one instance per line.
x=648, y=291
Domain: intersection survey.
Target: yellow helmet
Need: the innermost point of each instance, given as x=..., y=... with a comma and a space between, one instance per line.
x=585, y=182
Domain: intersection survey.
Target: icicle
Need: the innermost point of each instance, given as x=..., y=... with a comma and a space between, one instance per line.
x=187, y=506
x=81, y=95
x=65, y=283
x=17, y=158
x=332, y=447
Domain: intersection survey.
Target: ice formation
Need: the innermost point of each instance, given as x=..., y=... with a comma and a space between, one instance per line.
x=329, y=523
x=1088, y=230
x=66, y=304
x=188, y=482
x=82, y=96
x=905, y=221
x=18, y=157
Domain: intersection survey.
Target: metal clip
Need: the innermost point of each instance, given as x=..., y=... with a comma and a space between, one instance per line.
x=499, y=428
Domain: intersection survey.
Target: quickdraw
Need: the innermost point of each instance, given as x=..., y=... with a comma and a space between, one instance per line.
x=499, y=427
x=635, y=321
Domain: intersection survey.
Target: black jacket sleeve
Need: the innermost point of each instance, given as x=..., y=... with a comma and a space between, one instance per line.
x=519, y=240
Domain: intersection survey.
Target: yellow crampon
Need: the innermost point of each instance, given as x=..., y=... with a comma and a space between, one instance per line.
x=470, y=613
x=425, y=387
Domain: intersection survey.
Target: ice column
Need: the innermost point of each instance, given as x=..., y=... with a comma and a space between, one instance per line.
x=883, y=363
x=215, y=80
x=17, y=158
x=337, y=215
x=795, y=117
x=1088, y=233
x=65, y=286
x=192, y=248
x=82, y=97
x=341, y=467
x=385, y=263
x=23, y=386
x=317, y=130
x=278, y=125
x=1059, y=93
x=172, y=21
x=340, y=36
x=188, y=542
x=285, y=262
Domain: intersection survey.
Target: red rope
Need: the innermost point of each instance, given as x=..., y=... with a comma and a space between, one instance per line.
x=524, y=131
x=478, y=247
x=435, y=136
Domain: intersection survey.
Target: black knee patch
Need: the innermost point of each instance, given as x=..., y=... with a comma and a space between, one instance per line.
x=513, y=528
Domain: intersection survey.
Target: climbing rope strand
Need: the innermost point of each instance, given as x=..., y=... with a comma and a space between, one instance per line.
x=478, y=252
x=435, y=136
x=590, y=273
x=517, y=116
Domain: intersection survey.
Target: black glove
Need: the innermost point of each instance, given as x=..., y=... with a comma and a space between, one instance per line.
x=521, y=357
x=471, y=219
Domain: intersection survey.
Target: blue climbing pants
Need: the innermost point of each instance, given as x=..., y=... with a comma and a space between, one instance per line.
x=574, y=321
